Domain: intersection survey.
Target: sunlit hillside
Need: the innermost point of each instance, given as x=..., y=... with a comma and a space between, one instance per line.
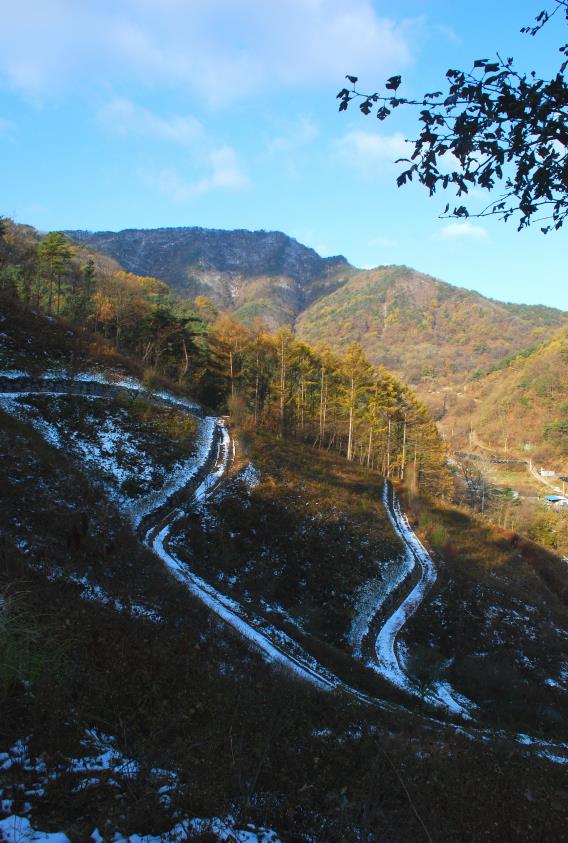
x=425, y=330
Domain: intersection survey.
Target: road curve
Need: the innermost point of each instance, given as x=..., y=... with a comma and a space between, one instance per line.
x=388, y=661
x=278, y=647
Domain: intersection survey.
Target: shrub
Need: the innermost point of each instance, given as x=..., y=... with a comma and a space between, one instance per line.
x=437, y=536
x=150, y=379
x=22, y=656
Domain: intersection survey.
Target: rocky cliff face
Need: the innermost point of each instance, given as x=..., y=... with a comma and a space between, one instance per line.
x=251, y=270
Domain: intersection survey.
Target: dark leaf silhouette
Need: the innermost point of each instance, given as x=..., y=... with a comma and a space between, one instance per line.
x=494, y=126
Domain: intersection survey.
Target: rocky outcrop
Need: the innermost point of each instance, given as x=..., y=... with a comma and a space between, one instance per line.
x=233, y=268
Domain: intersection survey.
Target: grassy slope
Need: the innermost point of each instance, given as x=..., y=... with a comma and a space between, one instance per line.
x=454, y=331
x=185, y=694
x=327, y=510
x=298, y=548
x=314, y=530
x=499, y=612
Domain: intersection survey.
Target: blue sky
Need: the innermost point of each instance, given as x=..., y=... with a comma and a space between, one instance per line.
x=221, y=113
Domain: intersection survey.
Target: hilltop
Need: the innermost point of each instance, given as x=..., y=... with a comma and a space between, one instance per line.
x=263, y=274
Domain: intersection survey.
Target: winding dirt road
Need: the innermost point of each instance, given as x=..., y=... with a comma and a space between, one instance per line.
x=155, y=529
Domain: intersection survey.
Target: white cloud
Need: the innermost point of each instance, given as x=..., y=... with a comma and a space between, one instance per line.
x=372, y=152
x=6, y=128
x=225, y=173
x=219, y=50
x=448, y=33
x=463, y=231
x=298, y=134
x=125, y=117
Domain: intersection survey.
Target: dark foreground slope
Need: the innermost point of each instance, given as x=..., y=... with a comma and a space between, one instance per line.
x=104, y=656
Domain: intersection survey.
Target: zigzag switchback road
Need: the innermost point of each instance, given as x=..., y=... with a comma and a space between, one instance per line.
x=214, y=460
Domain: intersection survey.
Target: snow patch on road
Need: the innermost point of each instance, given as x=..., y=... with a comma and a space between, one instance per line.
x=371, y=597
x=390, y=663
x=179, y=478
x=13, y=374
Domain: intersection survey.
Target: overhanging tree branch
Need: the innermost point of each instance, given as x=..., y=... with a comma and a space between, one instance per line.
x=494, y=125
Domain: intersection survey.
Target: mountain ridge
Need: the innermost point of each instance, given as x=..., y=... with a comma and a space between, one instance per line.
x=222, y=265
x=454, y=330
x=271, y=278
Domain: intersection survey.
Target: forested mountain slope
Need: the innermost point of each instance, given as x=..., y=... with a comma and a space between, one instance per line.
x=174, y=715
x=269, y=277
x=423, y=329
x=520, y=406
x=263, y=274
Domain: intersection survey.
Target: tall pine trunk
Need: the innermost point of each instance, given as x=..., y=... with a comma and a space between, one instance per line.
x=388, y=449
x=256, y=384
x=403, y=459
x=282, y=386
x=350, y=437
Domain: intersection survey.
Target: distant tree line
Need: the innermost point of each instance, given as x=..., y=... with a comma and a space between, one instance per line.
x=267, y=381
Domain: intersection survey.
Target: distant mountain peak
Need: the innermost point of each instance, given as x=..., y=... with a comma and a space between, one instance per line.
x=234, y=268
x=258, y=252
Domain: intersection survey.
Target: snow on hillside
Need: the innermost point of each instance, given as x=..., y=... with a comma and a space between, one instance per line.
x=390, y=658
x=136, y=469
x=102, y=761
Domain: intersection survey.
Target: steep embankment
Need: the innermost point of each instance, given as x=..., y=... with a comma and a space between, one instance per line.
x=263, y=274
x=192, y=484
x=424, y=330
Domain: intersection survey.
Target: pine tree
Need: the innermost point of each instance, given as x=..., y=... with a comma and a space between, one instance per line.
x=358, y=381
x=55, y=260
